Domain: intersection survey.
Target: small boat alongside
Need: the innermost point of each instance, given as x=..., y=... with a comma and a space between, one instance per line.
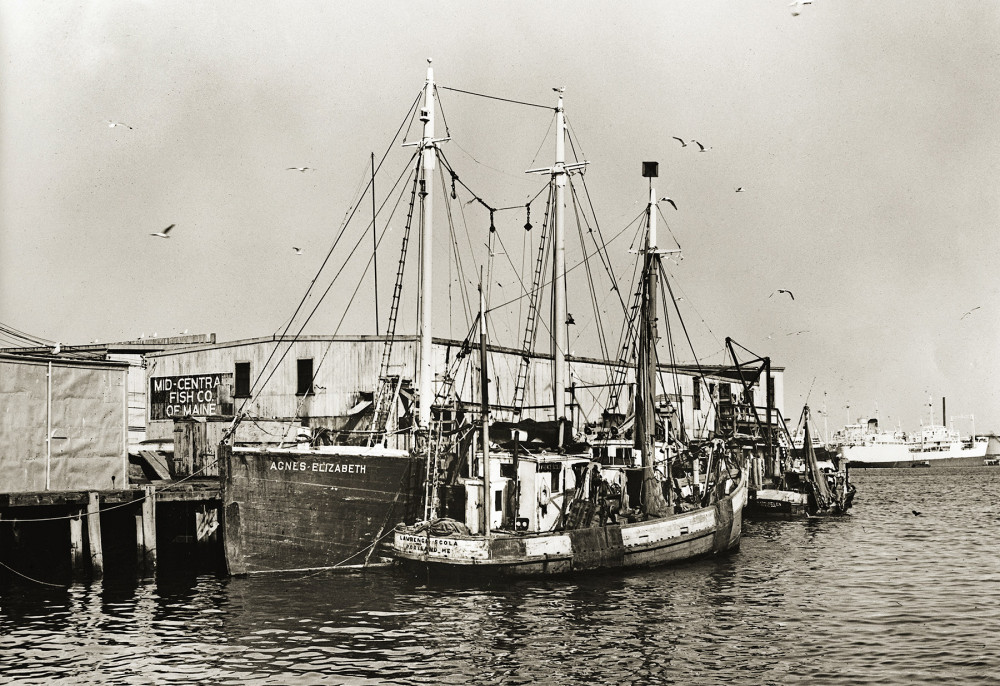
x=805, y=488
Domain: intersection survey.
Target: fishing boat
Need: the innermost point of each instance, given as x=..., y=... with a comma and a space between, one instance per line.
x=806, y=487
x=543, y=507
x=394, y=429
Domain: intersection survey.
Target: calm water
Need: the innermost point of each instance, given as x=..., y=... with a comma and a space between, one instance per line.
x=880, y=597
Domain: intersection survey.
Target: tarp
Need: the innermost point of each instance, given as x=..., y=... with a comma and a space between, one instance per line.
x=88, y=419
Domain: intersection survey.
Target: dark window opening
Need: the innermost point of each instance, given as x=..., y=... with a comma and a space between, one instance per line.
x=498, y=501
x=305, y=377
x=696, y=393
x=242, y=375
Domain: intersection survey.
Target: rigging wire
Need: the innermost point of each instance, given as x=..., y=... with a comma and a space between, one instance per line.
x=347, y=261
x=600, y=234
x=667, y=224
x=351, y=300
x=568, y=270
x=571, y=138
x=601, y=339
x=19, y=335
x=455, y=253
x=407, y=118
x=666, y=283
x=545, y=138
x=494, y=97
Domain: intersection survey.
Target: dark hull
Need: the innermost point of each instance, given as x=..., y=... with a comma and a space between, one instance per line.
x=761, y=507
x=920, y=461
x=311, y=510
x=764, y=508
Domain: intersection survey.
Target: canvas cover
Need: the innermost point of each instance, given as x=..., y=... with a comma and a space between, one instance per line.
x=88, y=418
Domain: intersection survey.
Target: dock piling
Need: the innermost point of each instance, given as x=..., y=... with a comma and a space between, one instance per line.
x=145, y=534
x=76, y=544
x=94, y=535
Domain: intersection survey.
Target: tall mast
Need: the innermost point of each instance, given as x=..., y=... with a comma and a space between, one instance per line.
x=559, y=333
x=559, y=172
x=484, y=390
x=653, y=501
x=427, y=162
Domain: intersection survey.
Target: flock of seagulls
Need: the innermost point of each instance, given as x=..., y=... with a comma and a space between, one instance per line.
x=165, y=233
x=701, y=148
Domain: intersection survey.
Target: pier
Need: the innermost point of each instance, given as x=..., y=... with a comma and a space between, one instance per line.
x=85, y=534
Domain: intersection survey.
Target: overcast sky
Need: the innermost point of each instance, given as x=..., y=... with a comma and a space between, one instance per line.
x=864, y=135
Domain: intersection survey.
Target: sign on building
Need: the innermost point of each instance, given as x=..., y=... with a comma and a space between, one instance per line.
x=194, y=395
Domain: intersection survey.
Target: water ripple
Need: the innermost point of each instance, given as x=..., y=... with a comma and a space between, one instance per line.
x=881, y=597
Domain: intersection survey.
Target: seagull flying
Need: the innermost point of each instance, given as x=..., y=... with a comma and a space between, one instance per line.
x=670, y=201
x=298, y=251
x=740, y=189
x=701, y=148
x=915, y=513
x=683, y=144
x=112, y=124
x=970, y=311
x=164, y=233
x=782, y=290
x=797, y=4
x=300, y=169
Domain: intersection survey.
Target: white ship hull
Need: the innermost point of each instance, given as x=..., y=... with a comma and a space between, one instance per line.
x=954, y=454
x=879, y=455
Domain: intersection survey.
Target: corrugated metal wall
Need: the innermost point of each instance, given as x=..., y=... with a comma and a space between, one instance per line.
x=345, y=368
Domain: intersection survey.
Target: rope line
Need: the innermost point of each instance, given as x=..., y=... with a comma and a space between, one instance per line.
x=25, y=576
x=494, y=97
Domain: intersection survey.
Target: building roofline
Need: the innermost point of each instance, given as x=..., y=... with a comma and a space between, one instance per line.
x=63, y=360
x=690, y=367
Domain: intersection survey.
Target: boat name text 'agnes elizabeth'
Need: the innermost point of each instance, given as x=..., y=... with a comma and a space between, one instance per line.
x=318, y=467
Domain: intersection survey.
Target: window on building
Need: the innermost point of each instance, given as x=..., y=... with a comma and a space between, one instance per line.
x=696, y=393
x=305, y=377
x=242, y=389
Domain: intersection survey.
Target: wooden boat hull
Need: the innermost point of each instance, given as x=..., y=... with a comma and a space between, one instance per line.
x=777, y=504
x=765, y=504
x=304, y=509
x=677, y=538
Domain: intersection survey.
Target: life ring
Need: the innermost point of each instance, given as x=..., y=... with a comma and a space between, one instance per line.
x=543, y=495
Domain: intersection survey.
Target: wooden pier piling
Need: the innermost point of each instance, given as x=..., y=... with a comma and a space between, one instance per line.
x=76, y=545
x=145, y=533
x=109, y=532
x=94, y=535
